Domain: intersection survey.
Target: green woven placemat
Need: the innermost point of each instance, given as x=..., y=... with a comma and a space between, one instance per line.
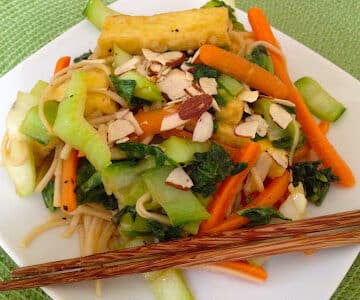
x=330, y=27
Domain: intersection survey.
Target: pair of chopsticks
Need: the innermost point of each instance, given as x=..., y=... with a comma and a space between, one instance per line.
x=232, y=245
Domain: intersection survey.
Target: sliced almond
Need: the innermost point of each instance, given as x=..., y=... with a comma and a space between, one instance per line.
x=172, y=121
x=280, y=116
x=171, y=58
x=195, y=106
x=247, y=129
x=123, y=140
x=204, y=128
x=130, y=117
x=262, y=124
x=179, y=179
x=174, y=84
x=247, y=109
x=150, y=55
x=154, y=68
x=215, y=105
x=249, y=96
x=131, y=64
x=195, y=56
x=208, y=85
x=280, y=156
x=119, y=129
x=185, y=67
x=282, y=102
x=193, y=91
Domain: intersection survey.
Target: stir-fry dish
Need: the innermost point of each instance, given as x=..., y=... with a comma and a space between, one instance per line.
x=177, y=124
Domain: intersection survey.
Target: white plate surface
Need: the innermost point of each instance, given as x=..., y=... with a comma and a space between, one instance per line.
x=291, y=277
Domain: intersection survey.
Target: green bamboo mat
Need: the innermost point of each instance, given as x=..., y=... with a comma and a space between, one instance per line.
x=330, y=27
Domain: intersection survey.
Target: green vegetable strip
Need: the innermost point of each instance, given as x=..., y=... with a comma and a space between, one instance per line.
x=74, y=130
x=96, y=12
x=181, y=206
x=319, y=102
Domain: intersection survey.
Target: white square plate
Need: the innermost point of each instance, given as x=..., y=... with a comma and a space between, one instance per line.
x=290, y=276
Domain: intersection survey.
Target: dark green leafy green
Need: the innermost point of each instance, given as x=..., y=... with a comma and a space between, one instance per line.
x=257, y=138
x=316, y=181
x=162, y=232
x=201, y=70
x=209, y=168
x=218, y=3
x=220, y=100
x=48, y=196
x=89, y=187
x=125, y=210
x=136, y=102
x=124, y=87
x=261, y=215
x=83, y=56
x=260, y=57
x=283, y=143
x=139, y=151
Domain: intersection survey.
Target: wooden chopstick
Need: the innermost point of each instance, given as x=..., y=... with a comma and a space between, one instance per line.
x=240, y=236
x=227, y=253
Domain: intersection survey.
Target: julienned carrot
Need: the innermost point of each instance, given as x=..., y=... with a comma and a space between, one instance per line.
x=272, y=193
x=150, y=121
x=303, y=151
x=225, y=194
x=316, y=139
x=68, y=182
x=62, y=63
x=240, y=68
x=324, y=126
x=240, y=268
x=177, y=132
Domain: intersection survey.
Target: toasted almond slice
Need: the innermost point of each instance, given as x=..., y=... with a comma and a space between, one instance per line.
x=282, y=102
x=249, y=96
x=204, y=128
x=195, y=106
x=208, y=85
x=280, y=156
x=280, y=116
x=119, y=129
x=130, y=117
x=262, y=124
x=174, y=84
x=123, y=140
x=127, y=66
x=179, y=179
x=172, y=121
x=153, y=68
x=193, y=91
x=247, y=129
x=150, y=55
x=185, y=67
x=247, y=109
x=215, y=105
x=195, y=56
x=171, y=58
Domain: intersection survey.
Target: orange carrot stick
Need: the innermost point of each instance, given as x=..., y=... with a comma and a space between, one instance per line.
x=240, y=268
x=68, y=184
x=324, y=126
x=178, y=133
x=316, y=139
x=240, y=68
x=225, y=194
x=272, y=193
x=62, y=63
x=150, y=121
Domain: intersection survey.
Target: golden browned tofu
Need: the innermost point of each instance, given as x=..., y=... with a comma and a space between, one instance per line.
x=184, y=30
